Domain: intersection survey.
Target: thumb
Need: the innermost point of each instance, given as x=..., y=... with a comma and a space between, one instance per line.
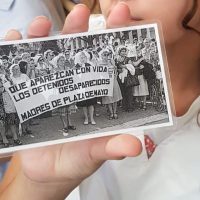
x=115, y=21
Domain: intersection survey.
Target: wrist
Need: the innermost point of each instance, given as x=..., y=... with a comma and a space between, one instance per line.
x=24, y=188
x=46, y=190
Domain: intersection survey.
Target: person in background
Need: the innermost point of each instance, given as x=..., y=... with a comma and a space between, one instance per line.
x=48, y=56
x=173, y=163
x=81, y=60
x=41, y=67
x=16, y=60
x=5, y=62
x=121, y=61
x=111, y=101
x=26, y=11
x=31, y=73
x=18, y=77
x=69, y=61
x=11, y=117
x=64, y=111
x=2, y=117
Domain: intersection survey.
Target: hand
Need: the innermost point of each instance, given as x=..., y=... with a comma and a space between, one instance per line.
x=56, y=170
x=141, y=67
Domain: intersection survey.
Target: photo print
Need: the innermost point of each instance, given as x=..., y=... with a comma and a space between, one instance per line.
x=66, y=88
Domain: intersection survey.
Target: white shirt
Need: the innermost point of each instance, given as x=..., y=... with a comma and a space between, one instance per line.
x=172, y=173
x=17, y=14
x=20, y=79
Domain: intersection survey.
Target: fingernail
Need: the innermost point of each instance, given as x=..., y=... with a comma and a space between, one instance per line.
x=41, y=17
x=12, y=34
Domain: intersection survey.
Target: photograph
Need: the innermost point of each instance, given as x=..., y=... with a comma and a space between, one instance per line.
x=70, y=87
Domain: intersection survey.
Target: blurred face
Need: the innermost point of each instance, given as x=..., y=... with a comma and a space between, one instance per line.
x=41, y=60
x=152, y=46
x=16, y=70
x=67, y=55
x=16, y=61
x=61, y=61
x=32, y=63
x=141, y=39
x=169, y=12
x=146, y=43
x=104, y=56
x=2, y=71
x=49, y=58
x=4, y=63
x=83, y=58
x=26, y=57
x=123, y=53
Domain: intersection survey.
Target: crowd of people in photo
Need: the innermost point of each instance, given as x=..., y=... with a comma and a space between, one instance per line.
x=135, y=65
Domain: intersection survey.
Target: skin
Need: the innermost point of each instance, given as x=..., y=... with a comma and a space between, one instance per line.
x=83, y=58
x=16, y=71
x=178, y=41
x=61, y=62
x=63, y=167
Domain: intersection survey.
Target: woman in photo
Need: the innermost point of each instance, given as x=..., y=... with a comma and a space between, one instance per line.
x=2, y=117
x=125, y=68
x=172, y=172
x=64, y=111
x=11, y=117
x=41, y=66
x=111, y=101
x=81, y=60
x=48, y=56
x=18, y=77
x=141, y=91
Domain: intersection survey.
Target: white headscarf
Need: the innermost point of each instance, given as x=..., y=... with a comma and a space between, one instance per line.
x=78, y=56
x=37, y=57
x=56, y=59
x=47, y=52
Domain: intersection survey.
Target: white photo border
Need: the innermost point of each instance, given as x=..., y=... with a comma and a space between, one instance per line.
x=165, y=75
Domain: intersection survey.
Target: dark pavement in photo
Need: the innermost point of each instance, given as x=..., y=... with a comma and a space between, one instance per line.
x=51, y=128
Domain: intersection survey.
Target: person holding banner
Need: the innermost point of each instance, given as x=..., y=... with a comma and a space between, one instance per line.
x=173, y=170
x=69, y=62
x=2, y=117
x=18, y=77
x=117, y=96
x=81, y=60
x=48, y=56
x=11, y=117
x=41, y=68
x=64, y=111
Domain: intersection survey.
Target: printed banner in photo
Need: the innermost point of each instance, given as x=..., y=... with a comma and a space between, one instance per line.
x=46, y=93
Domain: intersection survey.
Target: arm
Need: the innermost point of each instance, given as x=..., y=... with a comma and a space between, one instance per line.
x=137, y=62
x=16, y=185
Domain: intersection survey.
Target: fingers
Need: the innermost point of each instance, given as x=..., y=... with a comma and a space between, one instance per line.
x=13, y=35
x=114, y=20
x=40, y=27
x=115, y=147
x=77, y=20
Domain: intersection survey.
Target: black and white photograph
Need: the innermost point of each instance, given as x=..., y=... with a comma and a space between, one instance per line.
x=71, y=87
